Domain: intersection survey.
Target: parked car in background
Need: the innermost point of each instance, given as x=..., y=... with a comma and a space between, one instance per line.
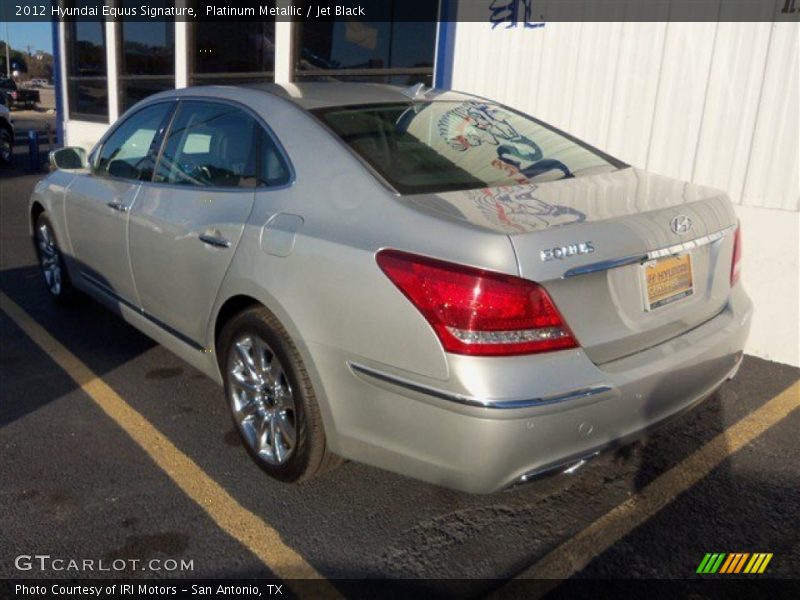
x=18, y=97
x=425, y=281
x=6, y=135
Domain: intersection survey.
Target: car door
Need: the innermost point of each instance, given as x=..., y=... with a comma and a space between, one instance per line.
x=186, y=224
x=98, y=202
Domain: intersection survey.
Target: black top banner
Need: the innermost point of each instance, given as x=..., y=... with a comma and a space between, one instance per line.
x=499, y=13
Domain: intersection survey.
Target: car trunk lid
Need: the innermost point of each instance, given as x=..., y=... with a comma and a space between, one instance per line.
x=590, y=240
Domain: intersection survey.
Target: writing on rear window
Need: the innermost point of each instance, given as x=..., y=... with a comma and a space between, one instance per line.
x=440, y=146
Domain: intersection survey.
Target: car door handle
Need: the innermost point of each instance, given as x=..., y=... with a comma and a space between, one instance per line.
x=213, y=240
x=118, y=206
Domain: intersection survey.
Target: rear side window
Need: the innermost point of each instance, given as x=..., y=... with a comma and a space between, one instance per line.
x=442, y=146
x=128, y=152
x=210, y=144
x=273, y=170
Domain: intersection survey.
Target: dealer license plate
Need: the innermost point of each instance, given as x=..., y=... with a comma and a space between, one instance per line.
x=667, y=280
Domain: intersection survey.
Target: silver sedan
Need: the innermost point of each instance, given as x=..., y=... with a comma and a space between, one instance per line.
x=421, y=280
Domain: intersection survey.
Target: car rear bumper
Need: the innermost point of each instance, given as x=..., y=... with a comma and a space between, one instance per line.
x=496, y=422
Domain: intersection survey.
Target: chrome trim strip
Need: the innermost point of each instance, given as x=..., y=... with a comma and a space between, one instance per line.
x=478, y=402
x=691, y=244
x=101, y=287
x=605, y=265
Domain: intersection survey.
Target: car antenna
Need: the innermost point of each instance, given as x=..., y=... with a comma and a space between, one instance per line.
x=416, y=91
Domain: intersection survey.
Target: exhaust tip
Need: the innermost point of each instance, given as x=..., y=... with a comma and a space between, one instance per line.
x=576, y=466
x=567, y=468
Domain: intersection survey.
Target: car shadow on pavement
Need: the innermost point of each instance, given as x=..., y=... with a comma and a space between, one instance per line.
x=95, y=334
x=732, y=508
x=676, y=438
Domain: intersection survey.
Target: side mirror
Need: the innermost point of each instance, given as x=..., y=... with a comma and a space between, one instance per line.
x=69, y=158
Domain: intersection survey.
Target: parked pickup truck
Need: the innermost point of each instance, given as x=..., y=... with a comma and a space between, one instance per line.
x=18, y=97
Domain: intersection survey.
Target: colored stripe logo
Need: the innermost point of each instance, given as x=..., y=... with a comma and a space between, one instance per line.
x=734, y=563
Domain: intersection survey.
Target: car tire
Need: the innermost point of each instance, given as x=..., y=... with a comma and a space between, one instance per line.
x=6, y=146
x=51, y=263
x=271, y=398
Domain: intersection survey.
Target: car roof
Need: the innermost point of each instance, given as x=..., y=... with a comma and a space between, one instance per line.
x=319, y=94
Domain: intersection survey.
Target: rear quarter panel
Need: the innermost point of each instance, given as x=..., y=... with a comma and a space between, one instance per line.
x=329, y=291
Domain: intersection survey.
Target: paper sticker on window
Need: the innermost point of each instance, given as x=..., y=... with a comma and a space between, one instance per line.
x=197, y=143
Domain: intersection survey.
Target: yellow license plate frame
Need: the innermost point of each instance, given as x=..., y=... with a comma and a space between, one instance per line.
x=667, y=280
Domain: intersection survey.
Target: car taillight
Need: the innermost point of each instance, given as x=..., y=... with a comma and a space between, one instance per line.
x=478, y=312
x=13, y=95
x=737, y=254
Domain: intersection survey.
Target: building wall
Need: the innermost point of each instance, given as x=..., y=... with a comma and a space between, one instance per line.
x=713, y=103
x=83, y=133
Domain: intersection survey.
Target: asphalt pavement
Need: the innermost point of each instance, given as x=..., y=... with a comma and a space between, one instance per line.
x=75, y=483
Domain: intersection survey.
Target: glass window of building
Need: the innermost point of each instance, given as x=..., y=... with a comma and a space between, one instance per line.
x=86, y=68
x=147, y=56
x=237, y=52
x=398, y=51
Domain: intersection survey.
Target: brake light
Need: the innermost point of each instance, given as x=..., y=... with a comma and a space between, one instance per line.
x=478, y=312
x=736, y=266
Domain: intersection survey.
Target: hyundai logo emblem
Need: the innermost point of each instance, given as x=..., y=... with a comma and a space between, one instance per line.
x=681, y=224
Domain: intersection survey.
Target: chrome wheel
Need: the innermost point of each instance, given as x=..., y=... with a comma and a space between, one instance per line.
x=49, y=258
x=261, y=399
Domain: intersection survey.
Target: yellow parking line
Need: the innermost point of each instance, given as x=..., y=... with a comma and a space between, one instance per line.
x=574, y=554
x=238, y=522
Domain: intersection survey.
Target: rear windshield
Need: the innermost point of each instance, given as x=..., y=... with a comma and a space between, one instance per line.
x=443, y=146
